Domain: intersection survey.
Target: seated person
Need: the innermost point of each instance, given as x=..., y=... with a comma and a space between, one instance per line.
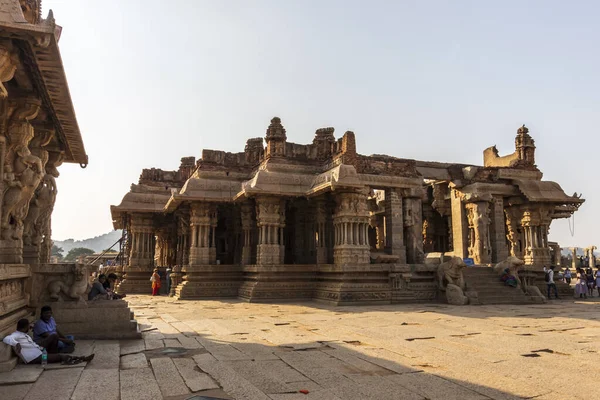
x=30, y=352
x=508, y=278
x=109, y=285
x=98, y=291
x=46, y=334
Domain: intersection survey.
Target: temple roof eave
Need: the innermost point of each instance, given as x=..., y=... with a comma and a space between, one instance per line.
x=43, y=55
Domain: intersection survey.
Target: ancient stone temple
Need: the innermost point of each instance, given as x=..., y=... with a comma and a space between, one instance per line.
x=38, y=132
x=320, y=221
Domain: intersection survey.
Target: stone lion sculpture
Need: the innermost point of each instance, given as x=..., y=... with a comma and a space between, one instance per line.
x=76, y=290
x=451, y=280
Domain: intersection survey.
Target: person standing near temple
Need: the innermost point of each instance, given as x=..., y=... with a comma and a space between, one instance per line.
x=168, y=277
x=155, y=279
x=550, y=281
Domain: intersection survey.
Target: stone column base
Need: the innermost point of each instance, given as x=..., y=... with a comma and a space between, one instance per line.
x=269, y=254
x=354, y=284
x=31, y=254
x=203, y=255
x=349, y=254
x=136, y=280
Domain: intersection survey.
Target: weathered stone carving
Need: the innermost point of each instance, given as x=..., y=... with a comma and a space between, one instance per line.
x=22, y=174
x=351, y=224
x=73, y=287
x=451, y=281
x=480, y=248
x=270, y=216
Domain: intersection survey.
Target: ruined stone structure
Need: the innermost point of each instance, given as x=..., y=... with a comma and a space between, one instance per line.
x=38, y=132
x=321, y=221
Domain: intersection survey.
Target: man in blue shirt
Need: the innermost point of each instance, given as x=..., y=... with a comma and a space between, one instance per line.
x=46, y=334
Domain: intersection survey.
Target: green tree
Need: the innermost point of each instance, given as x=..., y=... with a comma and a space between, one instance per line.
x=57, y=251
x=110, y=251
x=78, y=251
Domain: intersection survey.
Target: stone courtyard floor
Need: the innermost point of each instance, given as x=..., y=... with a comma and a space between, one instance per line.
x=236, y=350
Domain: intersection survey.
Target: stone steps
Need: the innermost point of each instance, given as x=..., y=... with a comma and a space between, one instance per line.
x=490, y=289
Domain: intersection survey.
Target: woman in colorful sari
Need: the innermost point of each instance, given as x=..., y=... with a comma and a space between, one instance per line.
x=155, y=279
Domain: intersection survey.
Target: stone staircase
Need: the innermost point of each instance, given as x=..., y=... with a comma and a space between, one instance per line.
x=110, y=319
x=490, y=289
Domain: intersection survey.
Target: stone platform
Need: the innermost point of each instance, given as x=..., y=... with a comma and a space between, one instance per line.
x=348, y=284
x=234, y=350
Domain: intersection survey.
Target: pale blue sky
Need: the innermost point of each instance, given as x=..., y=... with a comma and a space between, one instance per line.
x=153, y=81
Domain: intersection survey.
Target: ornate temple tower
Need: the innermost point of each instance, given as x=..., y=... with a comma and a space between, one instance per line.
x=525, y=146
x=275, y=139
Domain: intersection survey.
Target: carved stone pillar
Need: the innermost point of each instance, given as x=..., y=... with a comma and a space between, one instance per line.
x=394, y=225
x=183, y=238
x=413, y=228
x=573, y=257
x=42, y=202
x=321, y=229
x=460, y=228
x=270, y=213
x=591, y=257
x=203, y=223
x=498, y=230
x=351, y=222
x=141, y=258
x=248, y=226
x=23, y=172
x=514, y=231
x=536, y=222
x=480, y=249
x=48, y=198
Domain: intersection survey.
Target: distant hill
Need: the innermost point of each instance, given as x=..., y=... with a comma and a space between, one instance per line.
x=98, y=243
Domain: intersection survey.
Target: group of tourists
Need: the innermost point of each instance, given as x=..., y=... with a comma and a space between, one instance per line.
x=586, y=282
x=103, y=288
x=48, y=344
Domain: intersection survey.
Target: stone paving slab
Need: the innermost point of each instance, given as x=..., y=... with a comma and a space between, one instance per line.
x=238, y=387
x=132, y=346
x=21, y=374
x=15, y=392
x=152, y=344
x=107, y=355
x=168, y=378
x=138, y=384
x=97, y=384
x=137, y=360
x=194, y=379
x=57, y=384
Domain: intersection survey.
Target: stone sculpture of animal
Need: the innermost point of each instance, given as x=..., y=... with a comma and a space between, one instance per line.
x=450, y=272
x=75, y=290
x=451, y=280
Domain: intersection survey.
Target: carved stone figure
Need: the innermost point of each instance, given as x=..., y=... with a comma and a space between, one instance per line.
x=451, y=281
x=451, y=272
x=479, y=223
x=75, y=290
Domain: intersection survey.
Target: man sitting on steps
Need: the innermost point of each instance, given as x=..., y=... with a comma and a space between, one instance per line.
x=46, y=334
x=30, y=352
